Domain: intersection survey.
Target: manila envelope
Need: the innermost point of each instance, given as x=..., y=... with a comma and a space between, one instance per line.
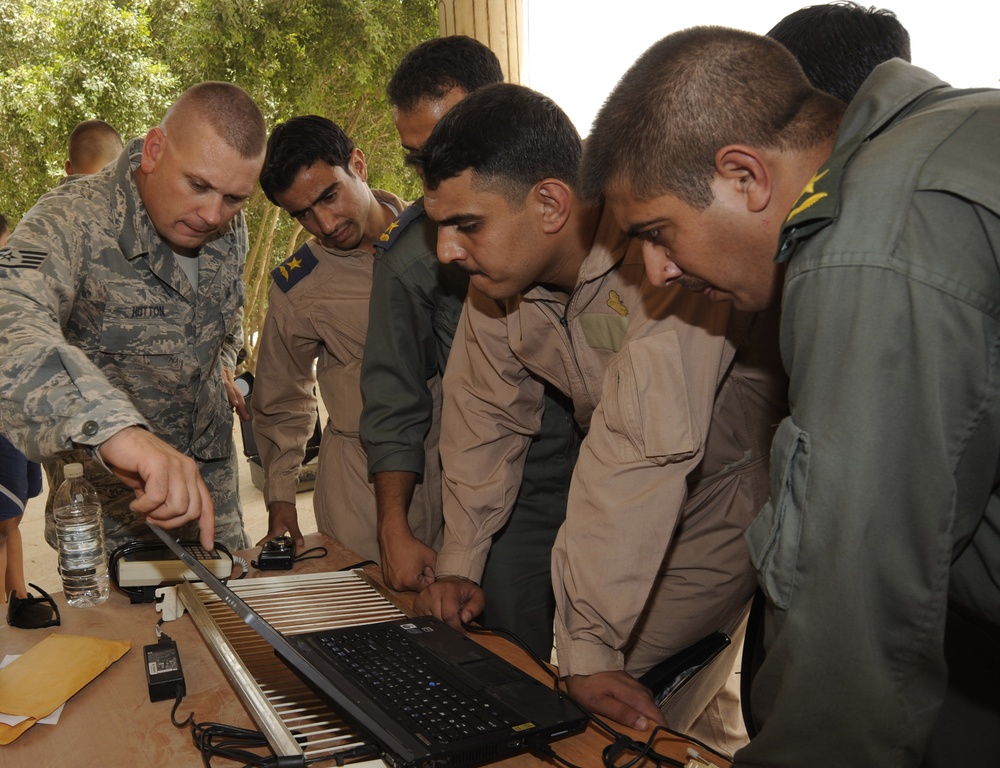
x=46, y=676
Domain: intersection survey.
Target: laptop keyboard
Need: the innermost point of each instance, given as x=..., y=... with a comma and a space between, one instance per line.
x=400, y=677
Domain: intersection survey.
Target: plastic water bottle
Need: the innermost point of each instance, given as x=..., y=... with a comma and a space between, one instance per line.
x=83, y=564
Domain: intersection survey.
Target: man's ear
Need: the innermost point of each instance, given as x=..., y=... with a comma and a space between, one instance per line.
x=359, y=167
x=556, y=201
x=152, y=149
x=747, y=170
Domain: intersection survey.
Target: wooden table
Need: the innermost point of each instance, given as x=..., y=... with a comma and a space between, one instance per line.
x=112, y=723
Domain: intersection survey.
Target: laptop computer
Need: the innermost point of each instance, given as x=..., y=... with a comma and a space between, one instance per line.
x=424, y=693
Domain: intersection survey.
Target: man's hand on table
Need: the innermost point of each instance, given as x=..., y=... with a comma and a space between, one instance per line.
x=407, y=563
x=283, y=518
x=617, y=695
x=452, y=599
x=168, y=487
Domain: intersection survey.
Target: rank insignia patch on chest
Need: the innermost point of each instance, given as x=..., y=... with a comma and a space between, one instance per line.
x=615, y=302
x=22, y=259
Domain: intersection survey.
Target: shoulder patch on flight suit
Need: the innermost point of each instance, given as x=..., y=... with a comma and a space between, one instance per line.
x=811, y=195
x=394, y=230
x=289, y=272
x=818, y=204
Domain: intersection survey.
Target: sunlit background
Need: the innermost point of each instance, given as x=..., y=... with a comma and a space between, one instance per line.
x=577, y=49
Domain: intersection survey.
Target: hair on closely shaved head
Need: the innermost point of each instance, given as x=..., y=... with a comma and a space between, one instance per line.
x=92, y=145
x=511, y=137
x=229, y=110
x=688, y=96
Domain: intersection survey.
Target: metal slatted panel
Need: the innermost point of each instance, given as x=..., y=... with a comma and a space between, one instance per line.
x=294, y=720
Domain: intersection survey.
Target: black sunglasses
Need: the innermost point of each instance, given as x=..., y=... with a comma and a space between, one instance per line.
x=32, y=612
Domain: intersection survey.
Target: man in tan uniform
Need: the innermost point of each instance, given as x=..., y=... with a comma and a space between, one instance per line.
x=674, y=389
x=318, y=315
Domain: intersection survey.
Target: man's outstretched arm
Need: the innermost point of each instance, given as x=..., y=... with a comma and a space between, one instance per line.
x=169, y=489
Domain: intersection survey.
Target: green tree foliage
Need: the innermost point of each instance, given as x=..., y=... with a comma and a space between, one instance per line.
x=124, y=61
x=326, y=57
x=63, y=61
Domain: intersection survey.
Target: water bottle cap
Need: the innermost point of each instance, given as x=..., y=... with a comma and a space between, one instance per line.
x=71, y=471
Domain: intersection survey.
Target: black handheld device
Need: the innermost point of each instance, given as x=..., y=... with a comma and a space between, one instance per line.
x=278, y=554
x=669, y=676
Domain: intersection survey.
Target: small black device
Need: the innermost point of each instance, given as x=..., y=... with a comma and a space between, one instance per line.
x=164, y=675
x=669, y=676
x=278, y=554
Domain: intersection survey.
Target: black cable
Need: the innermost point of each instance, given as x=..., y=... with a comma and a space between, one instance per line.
x=546, y=752
x=643, y=750
x=145, y=594
x=303, y=556
x=232, y=743
x=543, y=665
x=179, y=696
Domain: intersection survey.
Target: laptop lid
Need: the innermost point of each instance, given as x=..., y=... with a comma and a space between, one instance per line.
x=551, y=714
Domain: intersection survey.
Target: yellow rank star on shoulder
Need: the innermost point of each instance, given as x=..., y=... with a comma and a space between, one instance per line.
x=615, y=302
x=384, y=237
x=809, y=197
x=294, y=263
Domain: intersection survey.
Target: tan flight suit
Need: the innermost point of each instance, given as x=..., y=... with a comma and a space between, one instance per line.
x=318, y=313
x=651, y=557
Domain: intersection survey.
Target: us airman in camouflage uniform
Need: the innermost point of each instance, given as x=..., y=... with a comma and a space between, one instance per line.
x=101, y=329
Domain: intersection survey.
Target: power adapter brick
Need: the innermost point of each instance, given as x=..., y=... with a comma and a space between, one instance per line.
x=164, y=675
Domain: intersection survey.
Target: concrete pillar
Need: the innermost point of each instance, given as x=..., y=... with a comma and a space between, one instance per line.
x=498, y=24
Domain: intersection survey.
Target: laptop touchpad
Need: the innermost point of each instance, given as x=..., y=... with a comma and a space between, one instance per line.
x=490, y=673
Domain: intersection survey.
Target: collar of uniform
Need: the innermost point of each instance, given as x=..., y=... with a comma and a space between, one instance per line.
x=609, y=247
x=393, y=232
x=891, y=89
x=818, y=204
